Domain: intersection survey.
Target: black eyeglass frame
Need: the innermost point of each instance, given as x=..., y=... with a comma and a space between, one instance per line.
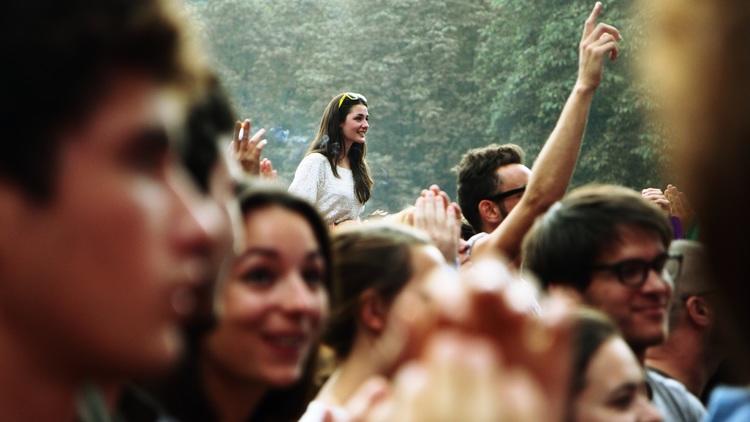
x=658, y=264
x=508, y=193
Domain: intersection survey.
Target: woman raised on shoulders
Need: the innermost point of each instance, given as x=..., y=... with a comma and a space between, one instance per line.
x=334, y=174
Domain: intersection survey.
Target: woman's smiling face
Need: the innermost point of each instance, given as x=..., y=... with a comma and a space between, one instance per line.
x=355, y=126
x=272, y=308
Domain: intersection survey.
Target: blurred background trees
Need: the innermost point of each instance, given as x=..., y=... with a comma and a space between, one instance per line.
x=441, y=77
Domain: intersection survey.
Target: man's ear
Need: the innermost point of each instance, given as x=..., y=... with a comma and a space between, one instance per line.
x=372, y=311
x=489, y=211
x=699, y=310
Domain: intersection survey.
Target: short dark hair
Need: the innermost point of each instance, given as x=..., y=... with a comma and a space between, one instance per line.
x=61, y=56
x=477, y=177
x=208, y=118
x=565, y=243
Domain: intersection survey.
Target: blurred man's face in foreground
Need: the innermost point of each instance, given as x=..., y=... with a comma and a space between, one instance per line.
x=104, y=272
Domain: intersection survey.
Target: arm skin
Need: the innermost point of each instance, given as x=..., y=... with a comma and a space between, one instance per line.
x=556, y=162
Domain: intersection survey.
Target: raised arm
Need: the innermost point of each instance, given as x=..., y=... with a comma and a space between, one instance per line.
x=556, y=162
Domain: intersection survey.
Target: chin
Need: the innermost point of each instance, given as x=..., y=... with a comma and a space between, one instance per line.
x=283, y=377
x=168, y=351
x=152, y=358
x=653, y=338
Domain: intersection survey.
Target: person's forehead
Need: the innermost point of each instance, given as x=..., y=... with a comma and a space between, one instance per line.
x=513, y=175
x=633, y=242
x=613, y=364
x=358, y=109
x=130, y=103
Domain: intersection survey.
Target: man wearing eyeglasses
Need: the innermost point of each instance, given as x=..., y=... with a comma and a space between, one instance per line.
x=492, y=181
x=608, y=246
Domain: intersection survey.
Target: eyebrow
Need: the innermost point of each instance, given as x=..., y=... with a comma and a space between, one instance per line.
x=273, y=253
x=153, y=139
x=627, y=387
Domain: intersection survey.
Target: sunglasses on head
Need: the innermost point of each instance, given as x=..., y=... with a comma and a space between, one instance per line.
x=352, y=96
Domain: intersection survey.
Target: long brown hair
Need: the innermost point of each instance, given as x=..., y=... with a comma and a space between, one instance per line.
x=371, y=256
x=329, y=141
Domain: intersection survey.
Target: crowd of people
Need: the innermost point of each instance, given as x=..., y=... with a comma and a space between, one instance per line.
x=153, y=269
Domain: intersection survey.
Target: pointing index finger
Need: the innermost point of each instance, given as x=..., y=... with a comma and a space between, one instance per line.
x=591, y=20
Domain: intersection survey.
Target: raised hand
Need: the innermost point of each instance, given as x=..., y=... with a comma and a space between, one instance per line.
x=440, y=219
x=246, y=149
x=598, y=40
x=266, y=170
x=658, y=198
x=679, y=206
x=481, y=355
x=459, y=378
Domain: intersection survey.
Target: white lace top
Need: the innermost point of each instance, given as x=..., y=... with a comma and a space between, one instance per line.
x=333, y=196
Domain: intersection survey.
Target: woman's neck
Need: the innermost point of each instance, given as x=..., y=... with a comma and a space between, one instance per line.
x=357, y=368
x=343, y=159
x=232, y=398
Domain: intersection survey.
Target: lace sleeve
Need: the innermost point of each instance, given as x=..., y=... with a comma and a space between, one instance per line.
x=309, y=177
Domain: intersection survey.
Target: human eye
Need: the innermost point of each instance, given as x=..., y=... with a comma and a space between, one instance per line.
x=660, y=262
x=313, y=277
x=631, y=271
x=623, y=399
x=147, y=151
x=258, y=276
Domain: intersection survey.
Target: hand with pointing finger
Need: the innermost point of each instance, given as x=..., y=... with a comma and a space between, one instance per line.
x=598, y=40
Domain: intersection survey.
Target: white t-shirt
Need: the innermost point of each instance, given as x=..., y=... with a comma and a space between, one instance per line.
x=333, y=196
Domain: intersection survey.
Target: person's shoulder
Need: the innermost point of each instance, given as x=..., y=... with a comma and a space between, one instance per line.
x=473, y=241
x=315, y=157
x=674, y=393
x=313, y=162
x=730, y=404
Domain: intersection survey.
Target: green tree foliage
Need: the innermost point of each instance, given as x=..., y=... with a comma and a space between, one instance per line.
x=441, y=77
x=528, y=87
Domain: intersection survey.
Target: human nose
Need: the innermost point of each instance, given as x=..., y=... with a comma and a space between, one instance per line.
x=656, y=284
x=365, y=123
x=199, y=224
x=646, y=411
x=299, y=297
